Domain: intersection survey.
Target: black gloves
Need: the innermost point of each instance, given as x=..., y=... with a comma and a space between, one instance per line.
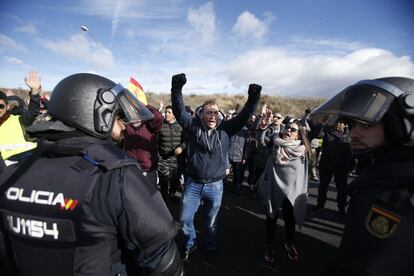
x=254, y=90
x=178, y=82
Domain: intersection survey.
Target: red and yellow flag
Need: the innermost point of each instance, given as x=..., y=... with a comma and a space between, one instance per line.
x=137, y=90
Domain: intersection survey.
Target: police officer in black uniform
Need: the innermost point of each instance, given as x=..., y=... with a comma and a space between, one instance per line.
x=77, y=205
x=379, y=230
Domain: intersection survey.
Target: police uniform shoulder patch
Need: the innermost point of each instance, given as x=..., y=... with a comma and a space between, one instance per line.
x=382, y=223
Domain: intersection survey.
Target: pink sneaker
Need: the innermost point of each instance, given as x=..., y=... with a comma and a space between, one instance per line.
x=269, y=254
x=292, y=252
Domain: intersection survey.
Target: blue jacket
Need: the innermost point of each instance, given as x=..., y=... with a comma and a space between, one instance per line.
x=208, y=151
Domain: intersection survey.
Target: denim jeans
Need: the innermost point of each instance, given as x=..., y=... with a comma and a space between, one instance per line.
x=210, y=194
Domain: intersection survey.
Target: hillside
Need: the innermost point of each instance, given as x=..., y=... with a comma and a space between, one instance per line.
x=285, y=105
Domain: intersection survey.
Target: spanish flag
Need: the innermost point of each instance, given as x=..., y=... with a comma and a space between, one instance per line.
x=137, y=90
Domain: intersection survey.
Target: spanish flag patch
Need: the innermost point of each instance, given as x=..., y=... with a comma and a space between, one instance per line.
x=382, y=223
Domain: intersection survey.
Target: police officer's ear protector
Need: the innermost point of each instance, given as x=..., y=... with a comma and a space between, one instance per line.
x=406, y=101
x=104, y=110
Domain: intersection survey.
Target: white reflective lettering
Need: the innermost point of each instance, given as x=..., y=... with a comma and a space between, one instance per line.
x=51, y=232
x=38, y=197
x=37, y=229
x=15, y=229
x=59, y=199
x=32, y=196
x=50, y=198
x=44, y=194
x=32, y=228
x=22, y=197
x=12, y=193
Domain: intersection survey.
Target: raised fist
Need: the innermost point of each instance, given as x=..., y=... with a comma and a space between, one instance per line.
x=178, y=81
x=254, y=90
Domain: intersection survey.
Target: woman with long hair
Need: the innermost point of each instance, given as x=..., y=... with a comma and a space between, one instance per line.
x=284, y=184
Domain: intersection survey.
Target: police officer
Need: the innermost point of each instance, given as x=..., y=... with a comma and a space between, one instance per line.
x=378, y=237
x=77, y=205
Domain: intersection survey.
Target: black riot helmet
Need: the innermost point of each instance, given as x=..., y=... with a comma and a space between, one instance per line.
x=90, y=103
x=390, y=100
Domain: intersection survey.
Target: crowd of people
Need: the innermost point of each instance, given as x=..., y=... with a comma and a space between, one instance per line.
x=115, y=162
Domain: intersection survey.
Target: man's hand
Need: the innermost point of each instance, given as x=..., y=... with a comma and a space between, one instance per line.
x=178, y=151
x=254, y=90
x=178, y=82
x=264, y=109
x=33, y=82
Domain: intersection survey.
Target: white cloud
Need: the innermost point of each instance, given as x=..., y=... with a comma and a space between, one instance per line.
x=143, y=9
x=116, y=18
x=28, y=28
x=249, y=26
x=13, y=60
x=6, y=43
x=24, y=26
x=203, y=21
x=286, y=73
x=321, y=44
x=123, y=11
x=82, y=48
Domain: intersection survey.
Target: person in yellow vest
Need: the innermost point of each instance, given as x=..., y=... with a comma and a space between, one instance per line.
x=13, y=138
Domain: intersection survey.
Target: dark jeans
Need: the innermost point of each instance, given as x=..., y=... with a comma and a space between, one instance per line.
x=169, y=183
x=341, y=182
x=289, y=219
x=238, y=175
x=255, y=171
x=251, y=163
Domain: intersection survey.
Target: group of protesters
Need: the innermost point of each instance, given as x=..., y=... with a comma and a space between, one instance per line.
x=190, y=158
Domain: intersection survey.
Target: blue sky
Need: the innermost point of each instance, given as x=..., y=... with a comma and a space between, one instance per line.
x=294, y=48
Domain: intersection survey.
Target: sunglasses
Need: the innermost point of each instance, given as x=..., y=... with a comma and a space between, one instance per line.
x=292, y=129
x=278, y=117
x=2, y=106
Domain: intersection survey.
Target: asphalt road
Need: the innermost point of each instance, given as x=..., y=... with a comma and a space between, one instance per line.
x=241, y=239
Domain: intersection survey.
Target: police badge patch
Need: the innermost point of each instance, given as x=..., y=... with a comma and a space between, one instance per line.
x=382, y=223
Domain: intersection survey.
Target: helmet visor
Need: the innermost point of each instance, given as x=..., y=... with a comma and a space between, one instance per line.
x=361, y=102
x=134, y=111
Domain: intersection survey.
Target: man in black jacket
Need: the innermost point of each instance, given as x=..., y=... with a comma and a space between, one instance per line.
x=78, y=205
x=336, y=161
x=171, y=148
x=208, y=160
x=378, y=235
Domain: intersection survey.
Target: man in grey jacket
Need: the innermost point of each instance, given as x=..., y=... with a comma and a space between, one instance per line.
x=238, y=154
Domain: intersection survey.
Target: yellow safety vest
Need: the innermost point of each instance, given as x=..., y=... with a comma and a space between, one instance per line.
x=320, y=142
x=12, y=139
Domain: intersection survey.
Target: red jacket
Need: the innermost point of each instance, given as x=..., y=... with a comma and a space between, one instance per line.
x=141, y=142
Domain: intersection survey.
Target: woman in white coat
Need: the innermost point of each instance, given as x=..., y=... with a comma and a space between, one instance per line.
x=284, y=184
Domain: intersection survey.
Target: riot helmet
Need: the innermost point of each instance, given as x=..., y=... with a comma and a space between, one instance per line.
x=90, y=103
x=390, y=100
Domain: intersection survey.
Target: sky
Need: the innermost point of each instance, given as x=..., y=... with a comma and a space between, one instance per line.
x=297, y=48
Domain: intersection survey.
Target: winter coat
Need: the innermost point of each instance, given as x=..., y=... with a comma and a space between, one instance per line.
x=169, y=138
x=336, y=152
x=208, y=149
x=378, y=236
x=238, y=150
x=141, y=142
